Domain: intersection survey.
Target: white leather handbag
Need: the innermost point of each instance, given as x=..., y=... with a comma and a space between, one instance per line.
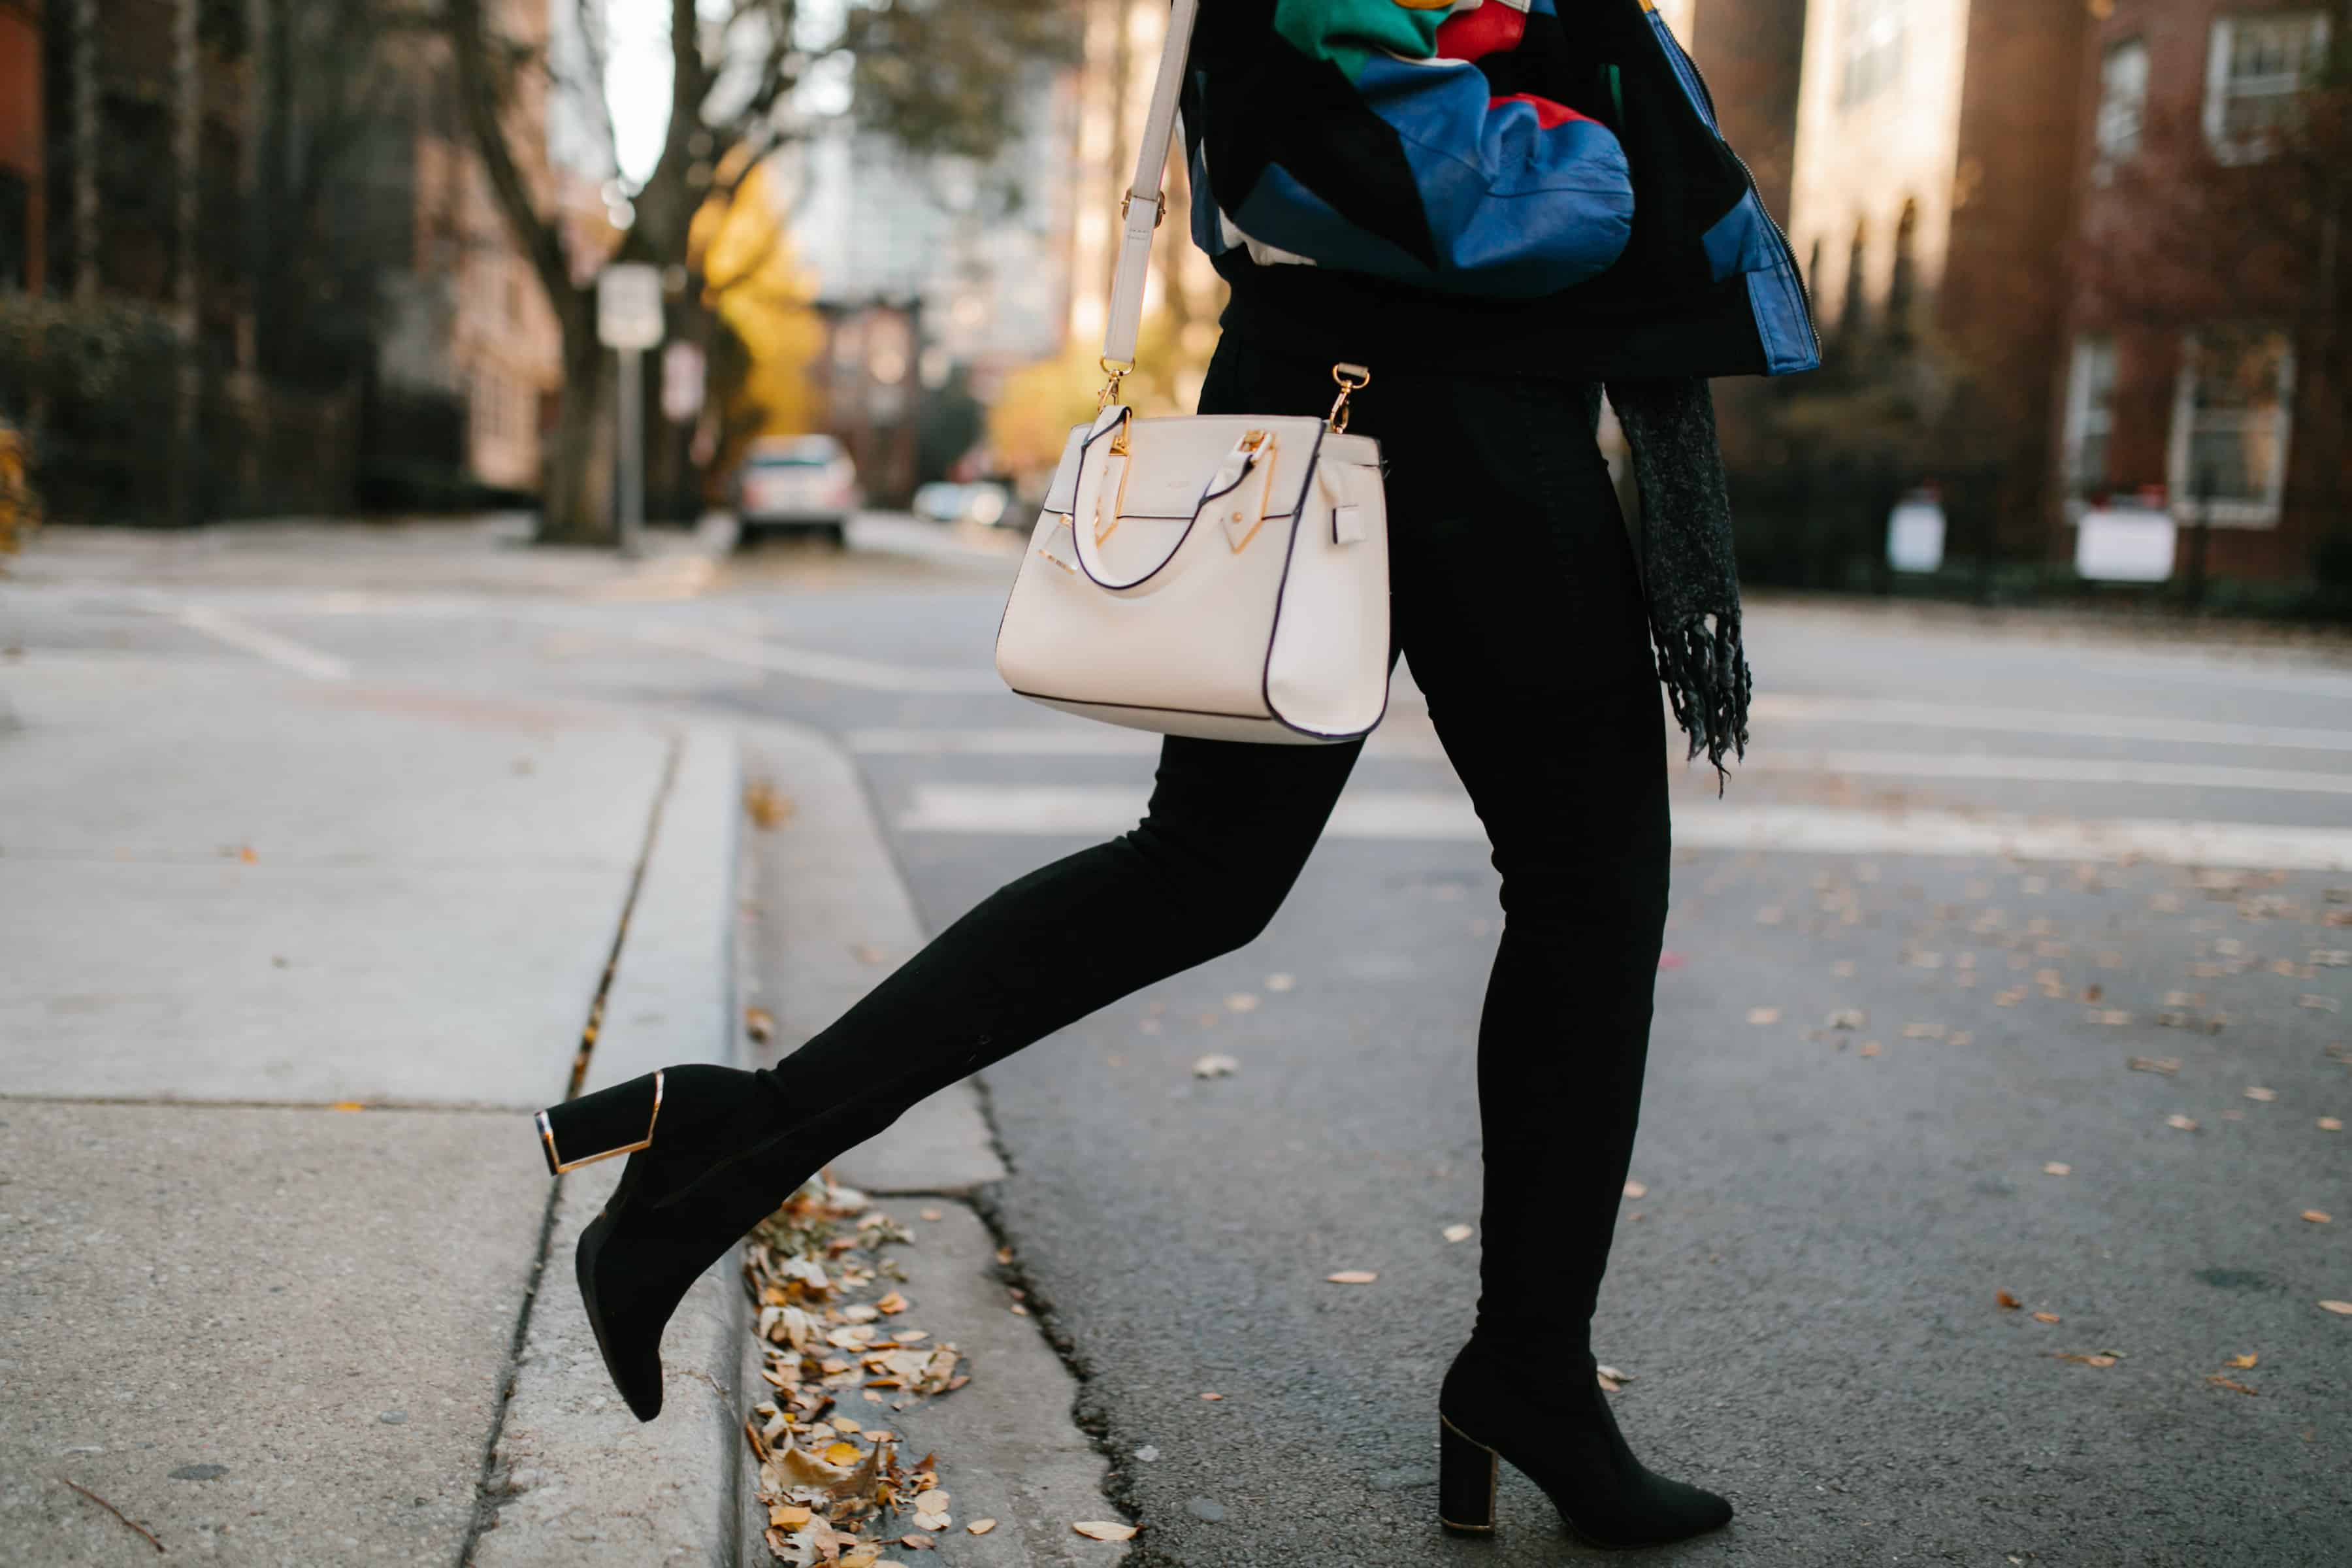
x=1221, y=575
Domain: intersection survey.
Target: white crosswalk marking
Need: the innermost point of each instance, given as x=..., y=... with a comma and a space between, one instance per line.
x=284, y=651
x=1093, y=811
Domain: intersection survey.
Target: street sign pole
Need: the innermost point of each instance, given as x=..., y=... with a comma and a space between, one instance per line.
x=632, y=476
x=629, y=320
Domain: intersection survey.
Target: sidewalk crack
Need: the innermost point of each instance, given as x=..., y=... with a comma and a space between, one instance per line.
x=492, y=1487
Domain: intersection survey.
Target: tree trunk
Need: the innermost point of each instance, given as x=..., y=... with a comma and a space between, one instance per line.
x=84, y=151
x=577, y=507
x=187, y=142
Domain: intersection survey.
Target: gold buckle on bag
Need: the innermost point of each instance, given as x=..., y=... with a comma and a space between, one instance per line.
x=1118, y=371
x=1342, y=374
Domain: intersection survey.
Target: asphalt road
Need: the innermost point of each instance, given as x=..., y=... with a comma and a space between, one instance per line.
x=1879, y=1040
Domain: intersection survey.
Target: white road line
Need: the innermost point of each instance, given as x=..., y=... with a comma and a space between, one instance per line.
x=808, y=664
x=1081, y=812
x=1042, y=740
x=1089, y=740
x=2046, y=770
x=253, y=639
x=2043, y=722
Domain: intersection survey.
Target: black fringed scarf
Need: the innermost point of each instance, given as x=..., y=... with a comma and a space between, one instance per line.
x=1688, y=567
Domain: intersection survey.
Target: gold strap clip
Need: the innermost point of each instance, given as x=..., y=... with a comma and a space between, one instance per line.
x=1352, y=378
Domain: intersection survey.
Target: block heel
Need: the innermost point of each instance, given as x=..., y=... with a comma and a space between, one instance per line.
x=709, y=1159
x=1560, y=1433
x=615, y=1120
x=1467, y=1474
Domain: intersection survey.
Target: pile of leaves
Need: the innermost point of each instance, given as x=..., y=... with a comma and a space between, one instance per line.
x=837, y=1364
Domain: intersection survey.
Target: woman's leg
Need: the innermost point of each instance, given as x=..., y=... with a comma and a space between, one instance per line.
x=1230, y=826
x=1520, y=606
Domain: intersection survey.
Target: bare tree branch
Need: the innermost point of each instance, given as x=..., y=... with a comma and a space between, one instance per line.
x=482, y=99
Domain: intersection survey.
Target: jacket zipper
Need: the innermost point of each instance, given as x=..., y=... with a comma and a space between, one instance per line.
x=1804, y=290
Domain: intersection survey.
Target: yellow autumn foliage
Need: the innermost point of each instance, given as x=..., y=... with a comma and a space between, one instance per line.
x=1031, y=419
x=754, y=282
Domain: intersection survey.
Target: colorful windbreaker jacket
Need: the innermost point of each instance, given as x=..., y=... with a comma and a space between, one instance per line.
x=1564, y=152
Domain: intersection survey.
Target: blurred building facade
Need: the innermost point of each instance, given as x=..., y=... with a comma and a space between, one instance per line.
x=1930, y=197
x=264, y=260
x=23, y=186
x=2197, y=340
x=466, y=326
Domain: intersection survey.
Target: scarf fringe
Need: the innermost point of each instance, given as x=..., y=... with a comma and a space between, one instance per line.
x=1705, y=670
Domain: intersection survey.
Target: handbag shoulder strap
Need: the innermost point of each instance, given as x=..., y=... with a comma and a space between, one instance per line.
x=1144, y=206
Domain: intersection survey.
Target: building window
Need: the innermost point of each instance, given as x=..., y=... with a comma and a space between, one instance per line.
x=2230, y=420
x=1903, y=283
x=1853, y=313
x=1871, y=48
x=490, y=408
x=2123, y=101
x=2257, y=67
x=2090, y=414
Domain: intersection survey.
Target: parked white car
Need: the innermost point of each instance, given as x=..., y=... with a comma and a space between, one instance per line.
x=798, y=483
x=948, y=502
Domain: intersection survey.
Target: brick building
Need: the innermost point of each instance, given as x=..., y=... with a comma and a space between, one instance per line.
x=2196, y=331
x=22, y=132
x=1930, y=196
x=1752, y=55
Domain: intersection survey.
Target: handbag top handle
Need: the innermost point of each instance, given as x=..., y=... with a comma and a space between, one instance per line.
x=1145, y=203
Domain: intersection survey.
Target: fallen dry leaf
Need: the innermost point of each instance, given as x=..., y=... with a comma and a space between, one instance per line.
x=1216, y=1066
x=1923, y=1031
x=2242, y=1362
x=2167, y=1066
x=1213, y=1398
x=2266, y=1095
x=980, y=1527
x=759, y=1023
x=2343, y=1307
x=1636, y=1190
x=1457, y=1233
x=1868, y=1048
x=1763, y=1015
x=2004, y=1300
x=2330, y=1124
x=2186, y=1123
x=766, y=808
x=1848, y=1018
x=1103, y=1529
x=2047, y=1318
x=2057, y=1168
x=1241, y=1002
x=1353, y=1276
x=2319, y=1217
x=2223, y=1382
x=1272, y=982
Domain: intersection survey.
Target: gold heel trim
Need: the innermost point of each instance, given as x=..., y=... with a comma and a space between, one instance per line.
x=1493, y=1479
x=560, y=1165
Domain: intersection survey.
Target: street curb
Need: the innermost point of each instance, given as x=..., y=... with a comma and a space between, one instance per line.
x=573, y=1477
x=834, y=918
x=831, y=915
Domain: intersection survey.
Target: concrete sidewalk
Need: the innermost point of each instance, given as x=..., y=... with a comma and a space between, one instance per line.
x=288, y=965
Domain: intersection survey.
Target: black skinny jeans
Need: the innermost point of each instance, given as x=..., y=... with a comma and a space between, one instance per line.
x=1516, y=599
